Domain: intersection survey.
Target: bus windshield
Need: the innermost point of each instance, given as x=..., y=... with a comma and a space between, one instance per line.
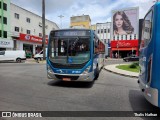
x=69, y=50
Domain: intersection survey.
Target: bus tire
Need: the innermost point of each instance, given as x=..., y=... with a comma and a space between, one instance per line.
x=96, y=73
x=18, y=60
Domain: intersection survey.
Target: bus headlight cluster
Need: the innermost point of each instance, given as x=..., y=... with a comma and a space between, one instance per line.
x=86, y=71
x=49, y=69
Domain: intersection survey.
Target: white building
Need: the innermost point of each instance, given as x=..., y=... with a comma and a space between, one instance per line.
x=103, y=31
x=6, y=43
x=26, y=29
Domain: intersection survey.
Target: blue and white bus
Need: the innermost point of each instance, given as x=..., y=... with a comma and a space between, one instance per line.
x=74, y=55
x=149, y=78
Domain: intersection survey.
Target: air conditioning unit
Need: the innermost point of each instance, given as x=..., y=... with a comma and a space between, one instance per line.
x=40, y=24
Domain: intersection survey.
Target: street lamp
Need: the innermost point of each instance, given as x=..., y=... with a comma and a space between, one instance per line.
x=61, y=16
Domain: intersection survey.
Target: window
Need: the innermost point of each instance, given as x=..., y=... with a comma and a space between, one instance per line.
x=147, y=30
x=134, y=36
x=5, y=34
x=4, y=6
x=98, y=45
x=2, y=52
x=16, y=29
x=101, y=30
x=40, y=34
x=104, y=30
x=16, y=15
x=98, y=31
x=121, y=37
x=4, y=20
x=28, y=32
x=28, y=20
x=108, y=30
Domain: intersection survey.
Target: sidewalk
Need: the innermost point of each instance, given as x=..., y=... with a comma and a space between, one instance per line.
x=112, y=68
x=32, y=60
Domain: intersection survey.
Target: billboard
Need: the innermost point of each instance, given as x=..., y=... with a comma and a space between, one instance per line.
x=124, y=23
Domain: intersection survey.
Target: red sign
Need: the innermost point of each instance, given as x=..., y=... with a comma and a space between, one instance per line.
x=124, y=43
x=31, y=38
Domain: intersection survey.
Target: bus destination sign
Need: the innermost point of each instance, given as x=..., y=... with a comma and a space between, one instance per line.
x=72, y=33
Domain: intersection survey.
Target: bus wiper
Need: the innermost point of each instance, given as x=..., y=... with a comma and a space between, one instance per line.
x=74, y=44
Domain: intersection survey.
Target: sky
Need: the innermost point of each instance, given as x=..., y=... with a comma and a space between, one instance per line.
x=100, y=11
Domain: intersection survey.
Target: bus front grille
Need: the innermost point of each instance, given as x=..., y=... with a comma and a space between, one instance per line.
x=68, y=66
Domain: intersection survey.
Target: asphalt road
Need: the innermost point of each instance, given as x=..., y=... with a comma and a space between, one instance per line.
x=25, y=87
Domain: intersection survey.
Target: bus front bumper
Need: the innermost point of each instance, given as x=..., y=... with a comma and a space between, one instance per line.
x=73, y=77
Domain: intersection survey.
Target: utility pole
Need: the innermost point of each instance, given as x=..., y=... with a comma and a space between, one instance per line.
x=61, y=16
x=43, y=30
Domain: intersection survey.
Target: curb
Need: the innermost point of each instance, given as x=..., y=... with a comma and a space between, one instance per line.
x=131, y=76
x=113, y=59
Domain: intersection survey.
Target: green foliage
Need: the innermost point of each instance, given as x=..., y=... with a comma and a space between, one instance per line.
x=134, y=65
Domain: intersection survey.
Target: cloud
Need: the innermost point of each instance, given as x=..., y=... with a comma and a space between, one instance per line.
x=99, y=10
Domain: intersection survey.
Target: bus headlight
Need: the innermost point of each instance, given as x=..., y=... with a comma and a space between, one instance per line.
x=87, y=70
x=49, y=69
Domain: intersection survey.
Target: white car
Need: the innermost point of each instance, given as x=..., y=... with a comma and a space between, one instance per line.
x=17, y=55
x=39, y=56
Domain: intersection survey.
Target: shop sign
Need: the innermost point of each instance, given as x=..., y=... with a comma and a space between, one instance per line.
x=6, y=43
x=124, y=43
x=31, y=38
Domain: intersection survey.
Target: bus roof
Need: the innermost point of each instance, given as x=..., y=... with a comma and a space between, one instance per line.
x=76, y=29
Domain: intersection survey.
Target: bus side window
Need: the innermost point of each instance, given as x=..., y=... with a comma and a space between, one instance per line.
x=147, y=30
x=2, y=52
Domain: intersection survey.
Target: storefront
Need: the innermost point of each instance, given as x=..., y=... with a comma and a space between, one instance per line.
x=29, y=43
x=6, y=44
x=124, y=48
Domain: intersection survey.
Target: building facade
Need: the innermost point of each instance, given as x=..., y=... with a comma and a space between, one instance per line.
x=26, y=29
x=125, y=32
x=83, y=21
x=5, y=39
x=103, y=31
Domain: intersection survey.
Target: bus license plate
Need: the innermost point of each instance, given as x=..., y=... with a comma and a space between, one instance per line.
x=66, y=79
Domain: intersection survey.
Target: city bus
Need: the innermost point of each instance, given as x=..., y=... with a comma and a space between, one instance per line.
x=74, y=55
x=149, y=77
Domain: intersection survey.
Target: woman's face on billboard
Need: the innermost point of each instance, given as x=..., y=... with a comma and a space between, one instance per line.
x=118, y=21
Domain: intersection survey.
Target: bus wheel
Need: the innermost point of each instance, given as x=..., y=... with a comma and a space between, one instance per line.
x=18, y=60
x=96, y=73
